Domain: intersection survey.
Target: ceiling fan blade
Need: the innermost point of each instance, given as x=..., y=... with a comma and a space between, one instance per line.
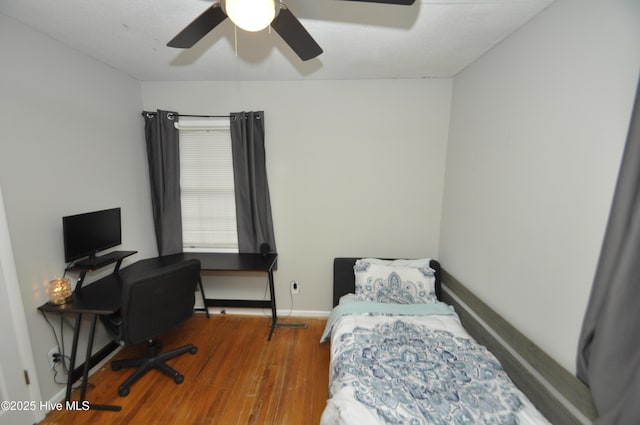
x=398, y=2
x=294, y=34
x=200, y=27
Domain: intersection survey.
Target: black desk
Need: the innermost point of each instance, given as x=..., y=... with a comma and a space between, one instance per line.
x=240, y=263
x=99, y=298
x=104, y=296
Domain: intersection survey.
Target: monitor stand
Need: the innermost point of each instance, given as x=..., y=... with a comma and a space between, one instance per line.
x=95, y=261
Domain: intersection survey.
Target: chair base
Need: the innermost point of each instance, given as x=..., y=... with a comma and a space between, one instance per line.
x=153, y=360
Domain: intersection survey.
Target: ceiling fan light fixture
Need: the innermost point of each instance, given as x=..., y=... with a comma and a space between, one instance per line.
x=251, y=15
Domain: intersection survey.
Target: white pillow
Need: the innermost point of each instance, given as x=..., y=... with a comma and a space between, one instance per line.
x=395, y=281
x=347, y=298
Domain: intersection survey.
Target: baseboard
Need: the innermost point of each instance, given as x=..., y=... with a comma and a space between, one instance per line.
x=557, y=393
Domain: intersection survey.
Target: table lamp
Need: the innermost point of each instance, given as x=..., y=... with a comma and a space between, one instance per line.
x=60, y=291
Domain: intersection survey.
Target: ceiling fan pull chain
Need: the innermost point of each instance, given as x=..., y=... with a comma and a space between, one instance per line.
x=235, y=39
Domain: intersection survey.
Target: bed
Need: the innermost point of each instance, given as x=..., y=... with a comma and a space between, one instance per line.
x=400, y=356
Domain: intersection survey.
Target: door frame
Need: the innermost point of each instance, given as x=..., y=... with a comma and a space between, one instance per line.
x=10, y=279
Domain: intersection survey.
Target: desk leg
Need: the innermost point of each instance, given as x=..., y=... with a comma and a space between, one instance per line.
x=85, y=372
x=274, y=314
x=204, y=299
x=74, y=351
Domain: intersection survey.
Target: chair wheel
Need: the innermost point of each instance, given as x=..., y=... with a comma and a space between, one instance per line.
x=115, y=366
x=178, y=378
x=123, y=391
x=193, y=350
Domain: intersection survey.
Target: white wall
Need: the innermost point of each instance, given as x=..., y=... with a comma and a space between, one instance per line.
x=354, y=168
x=72, y=141
x=537, y=131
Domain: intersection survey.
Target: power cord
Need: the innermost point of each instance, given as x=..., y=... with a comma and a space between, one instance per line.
x=60, y=356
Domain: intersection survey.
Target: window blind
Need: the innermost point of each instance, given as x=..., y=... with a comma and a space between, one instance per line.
x=207, y=187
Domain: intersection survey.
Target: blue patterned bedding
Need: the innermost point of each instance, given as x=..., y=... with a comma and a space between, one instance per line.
x=371, y=308
x=417, y=369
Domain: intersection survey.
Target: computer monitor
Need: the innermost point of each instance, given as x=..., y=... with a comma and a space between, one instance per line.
x=88, y=233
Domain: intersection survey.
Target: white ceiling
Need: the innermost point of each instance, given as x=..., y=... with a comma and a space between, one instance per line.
x=360, y=40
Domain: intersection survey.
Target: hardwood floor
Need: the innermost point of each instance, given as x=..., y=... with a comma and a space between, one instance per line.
x=236, y=377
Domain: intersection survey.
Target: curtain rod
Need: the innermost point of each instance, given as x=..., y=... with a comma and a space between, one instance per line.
x=201, y=116
x=171, y=115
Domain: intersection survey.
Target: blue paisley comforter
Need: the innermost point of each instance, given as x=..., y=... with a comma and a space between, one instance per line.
x=416, y=368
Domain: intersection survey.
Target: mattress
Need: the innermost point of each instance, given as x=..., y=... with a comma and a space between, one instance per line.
x=415, y=364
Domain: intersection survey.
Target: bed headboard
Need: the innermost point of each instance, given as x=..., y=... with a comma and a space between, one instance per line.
x=344, y=281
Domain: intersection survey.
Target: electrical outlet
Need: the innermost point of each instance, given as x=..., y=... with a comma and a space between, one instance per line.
x=295, y=287
x=53, y=357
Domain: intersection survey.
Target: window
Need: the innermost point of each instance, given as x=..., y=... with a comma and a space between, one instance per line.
x=206, y=185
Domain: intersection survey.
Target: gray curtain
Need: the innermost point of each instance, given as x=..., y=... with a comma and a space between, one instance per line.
x=164, y=175
x=609, y=346
x=253, y=206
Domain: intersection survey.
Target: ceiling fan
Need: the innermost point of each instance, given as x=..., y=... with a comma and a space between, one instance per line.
x=255, y=15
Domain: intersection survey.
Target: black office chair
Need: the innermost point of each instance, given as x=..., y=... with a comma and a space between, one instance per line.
x=157, y=295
